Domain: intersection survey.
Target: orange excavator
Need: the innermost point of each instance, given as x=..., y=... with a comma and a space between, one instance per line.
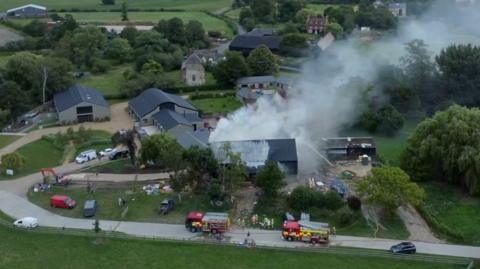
x=49, y=174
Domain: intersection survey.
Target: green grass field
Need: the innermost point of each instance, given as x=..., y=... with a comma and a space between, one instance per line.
x=22, y=250
x=317, y=8
x=209, y=22
x=38, y=154
x=216, y=106
x=210, y=5
x=108, y=83
x=4, y=56
x=451, y=213
x=141, y=207
x=8, y=139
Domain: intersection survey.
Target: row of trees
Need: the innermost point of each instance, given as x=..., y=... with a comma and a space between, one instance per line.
x=260, y=62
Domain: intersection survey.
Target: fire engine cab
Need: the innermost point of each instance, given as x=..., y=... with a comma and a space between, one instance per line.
x=210, y=222
x=305, y=231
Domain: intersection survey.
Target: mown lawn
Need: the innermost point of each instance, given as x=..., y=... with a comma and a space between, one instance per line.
x=317, y=8
x=452, y=213
x=210, y=5
x=38, y=154
x=109, y=84
x=141, y=207
x=217, y=106
x=208, y=22
x=4, y=56
x=22, y=250
x=8, y=139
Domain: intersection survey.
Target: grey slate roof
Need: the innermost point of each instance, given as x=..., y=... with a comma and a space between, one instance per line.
x=151, y=98
x=261, y=32
x=193, y=59
x=196, y=138
x=169, y=119
x=247, y=41
x=78, y=94
x=256, y=79
x=192, y=117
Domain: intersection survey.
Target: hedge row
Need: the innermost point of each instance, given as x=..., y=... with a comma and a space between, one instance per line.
x=229, y=23
x=211, y=95
x=185, y=89
x=73, y=10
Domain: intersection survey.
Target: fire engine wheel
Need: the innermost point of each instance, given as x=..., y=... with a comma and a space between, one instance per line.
x=193, y=229
x=289, y=238
x=214, y=231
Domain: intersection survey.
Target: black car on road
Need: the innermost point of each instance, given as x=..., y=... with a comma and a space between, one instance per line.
x=90, y=208
x=166, y=206
x=404, y=248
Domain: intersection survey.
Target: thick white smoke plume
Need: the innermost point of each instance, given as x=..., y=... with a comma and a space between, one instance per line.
x=327, y=96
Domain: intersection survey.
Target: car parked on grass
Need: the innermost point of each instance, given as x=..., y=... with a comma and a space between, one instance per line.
x=90, y=208
x=26, y=223
x=166, y=206
x=62, y=201
x=404, y=248
x=86, y=156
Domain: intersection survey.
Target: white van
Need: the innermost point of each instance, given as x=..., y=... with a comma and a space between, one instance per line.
x=27, y=223
x=86, y=156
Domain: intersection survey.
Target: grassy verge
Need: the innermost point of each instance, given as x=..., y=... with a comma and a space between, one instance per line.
x=114, y=167
x=197, y=5
x=38, y=154
x=141, y=207
x=452, y=213
x=216, y=106
x=8, y=139
x=72, y=252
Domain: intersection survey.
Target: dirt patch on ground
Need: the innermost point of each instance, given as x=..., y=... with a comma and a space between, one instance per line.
x=245, y=201
x=416, y=225
x=8, y=36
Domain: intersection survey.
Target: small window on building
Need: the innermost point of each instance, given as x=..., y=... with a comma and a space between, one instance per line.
x=193, y=77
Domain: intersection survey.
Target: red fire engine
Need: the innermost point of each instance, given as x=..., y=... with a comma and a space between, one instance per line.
x=210, y=222
x=305, y=231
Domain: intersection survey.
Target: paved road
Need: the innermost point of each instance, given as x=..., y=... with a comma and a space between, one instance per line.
x=18, y=206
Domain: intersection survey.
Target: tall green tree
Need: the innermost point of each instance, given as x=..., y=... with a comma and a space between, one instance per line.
x=293, y=45
x=124, y=11
x=36, y=28
x=14, y=99
x=459, y=67
x=83, y=46
x=129, y=33
x=163, y=150
x=232, y=68
x=200, y=163
x=232, y=169
x=119, y=50
x=12, y=161
x=287, y=9
x=261, y=61
x=263, y=10
x=271, y=179
x=390, y=188
x=195, y=34
x=176, y=31
x=446, y=147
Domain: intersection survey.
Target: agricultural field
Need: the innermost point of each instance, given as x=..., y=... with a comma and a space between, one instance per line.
x=317, y=8
x=141, y=207
x=209, y=22
x=75, y=252
x=452, y=213
x=8, y=139
x=191, y=5
x=216, y=106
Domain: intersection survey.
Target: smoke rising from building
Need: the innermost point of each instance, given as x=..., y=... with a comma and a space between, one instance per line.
x=329, y=96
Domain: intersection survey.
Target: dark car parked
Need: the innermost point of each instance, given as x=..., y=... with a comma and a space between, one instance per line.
x=90, y=208
x=116, y=154
x=404, y=248
x=166, y=206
